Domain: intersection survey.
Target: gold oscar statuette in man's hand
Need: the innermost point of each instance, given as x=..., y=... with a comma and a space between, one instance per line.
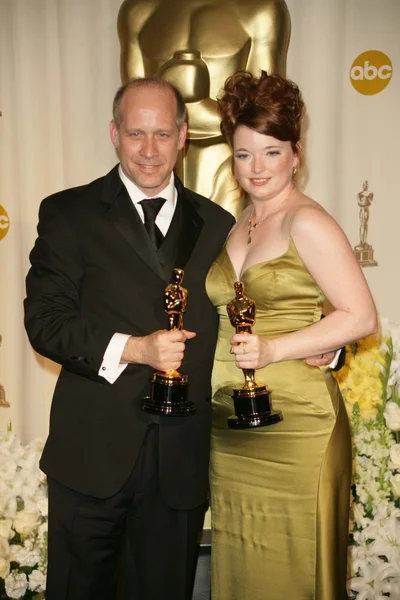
x=169, y=389
x=252, y=402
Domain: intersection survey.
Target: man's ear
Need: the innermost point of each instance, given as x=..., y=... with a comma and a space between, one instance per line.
x=182, y=136
x=114, y=135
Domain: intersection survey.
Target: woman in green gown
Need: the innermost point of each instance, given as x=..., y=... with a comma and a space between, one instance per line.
x=280, y=494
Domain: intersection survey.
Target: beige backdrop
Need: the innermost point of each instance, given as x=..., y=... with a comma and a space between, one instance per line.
x=59, y=68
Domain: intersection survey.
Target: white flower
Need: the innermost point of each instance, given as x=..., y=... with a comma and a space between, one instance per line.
x=26, y=557
x=4, y=557
x=372, y=582
x=394, y=372
x=8, y=469
x=14, y=549
x=36, y=446
x=26, y=521
x=10, y=509
x=37, y=581
x=395, y=483
x=16, y=585
x=42, y=531
x=395, y=456
x=4, y=567
x=23, y=511
x=10, y=444
x=392, y=587
x=6, y=529
x=392, y=416
x=43, y=506
x=358, y=513
x=361, y=556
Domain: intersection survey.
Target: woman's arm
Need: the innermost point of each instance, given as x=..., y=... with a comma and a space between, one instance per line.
x=329, y=258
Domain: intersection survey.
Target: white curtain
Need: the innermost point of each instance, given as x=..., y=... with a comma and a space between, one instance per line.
x=59, y=69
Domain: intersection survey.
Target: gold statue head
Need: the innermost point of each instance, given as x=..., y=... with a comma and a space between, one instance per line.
x=187, y=71
x=239, y=288
x=177, y=276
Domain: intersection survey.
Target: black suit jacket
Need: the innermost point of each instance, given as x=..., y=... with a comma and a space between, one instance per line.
x=94, y=273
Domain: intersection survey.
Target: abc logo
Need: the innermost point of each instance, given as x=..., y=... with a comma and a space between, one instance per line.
x=371, y=72
x=4, y=223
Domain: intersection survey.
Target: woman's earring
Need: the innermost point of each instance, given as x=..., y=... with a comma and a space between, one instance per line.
x=294, y=171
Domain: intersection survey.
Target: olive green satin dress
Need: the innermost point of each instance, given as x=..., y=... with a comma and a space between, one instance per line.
x=279, y=494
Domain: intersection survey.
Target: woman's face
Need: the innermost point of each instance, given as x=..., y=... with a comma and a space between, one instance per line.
x=263, y=165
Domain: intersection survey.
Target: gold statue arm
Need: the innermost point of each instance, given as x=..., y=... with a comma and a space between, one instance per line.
x=203, y=119
x=173, y=302
x=131, y=18
x=270, y=35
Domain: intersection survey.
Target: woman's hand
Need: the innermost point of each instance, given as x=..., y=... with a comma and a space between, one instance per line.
x=252, y=351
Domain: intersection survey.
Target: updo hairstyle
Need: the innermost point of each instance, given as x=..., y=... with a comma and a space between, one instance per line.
x=271, y=105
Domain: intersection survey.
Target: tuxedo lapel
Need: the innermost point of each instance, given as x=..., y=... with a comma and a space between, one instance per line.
x=125, y=218
x=191, y=225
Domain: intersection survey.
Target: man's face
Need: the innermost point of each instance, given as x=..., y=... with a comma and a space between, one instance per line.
x=148, y=139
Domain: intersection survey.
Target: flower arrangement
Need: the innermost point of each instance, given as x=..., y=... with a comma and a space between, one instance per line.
x=370, y=384
x=23, y=519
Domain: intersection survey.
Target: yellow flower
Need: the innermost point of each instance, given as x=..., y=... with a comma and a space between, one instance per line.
x=372, y=342
x=375, y=371
x=351, y=397
x=349, y=356
x=342, y=374
x=367, y=401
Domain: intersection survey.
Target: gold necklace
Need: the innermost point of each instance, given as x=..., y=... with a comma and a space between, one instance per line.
x=251, y=225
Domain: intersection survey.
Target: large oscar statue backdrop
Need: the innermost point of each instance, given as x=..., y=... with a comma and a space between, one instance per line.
x=196, y=46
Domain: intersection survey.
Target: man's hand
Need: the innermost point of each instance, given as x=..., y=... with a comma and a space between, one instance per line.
x=322, y=360
x=163, y=350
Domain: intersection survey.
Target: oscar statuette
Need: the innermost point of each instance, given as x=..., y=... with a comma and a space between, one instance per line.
x=169, y=388
x=252, y=402
x=364, y=252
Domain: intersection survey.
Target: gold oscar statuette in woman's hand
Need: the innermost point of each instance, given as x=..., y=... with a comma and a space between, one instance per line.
x=169, y=388
x=252, y=402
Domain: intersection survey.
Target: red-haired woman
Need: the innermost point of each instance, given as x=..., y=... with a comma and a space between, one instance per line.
x=280, y=494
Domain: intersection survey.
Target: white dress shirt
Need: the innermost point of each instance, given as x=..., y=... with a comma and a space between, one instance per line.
x=111, y=367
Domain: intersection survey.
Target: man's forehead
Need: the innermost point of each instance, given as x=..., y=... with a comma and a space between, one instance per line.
x=148, y=103
x=149, y=94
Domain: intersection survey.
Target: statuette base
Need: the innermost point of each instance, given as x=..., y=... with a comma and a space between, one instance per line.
x=365, y=255
x=253, y=408
x=169, y=396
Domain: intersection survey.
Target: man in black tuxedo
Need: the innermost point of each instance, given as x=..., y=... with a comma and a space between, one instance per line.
x=104, y=254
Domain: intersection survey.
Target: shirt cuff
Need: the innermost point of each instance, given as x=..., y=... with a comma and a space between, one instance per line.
x=111, y=367
x=335, y=360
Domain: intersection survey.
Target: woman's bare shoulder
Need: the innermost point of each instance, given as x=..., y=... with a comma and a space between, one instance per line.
x=304, y=210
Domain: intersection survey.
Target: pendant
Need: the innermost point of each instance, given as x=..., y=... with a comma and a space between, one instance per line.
x=250, y=228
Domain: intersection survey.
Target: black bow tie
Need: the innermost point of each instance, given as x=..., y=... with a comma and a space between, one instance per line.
x=151, y=208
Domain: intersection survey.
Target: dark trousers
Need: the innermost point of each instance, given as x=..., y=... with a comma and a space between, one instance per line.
x=88, y=535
